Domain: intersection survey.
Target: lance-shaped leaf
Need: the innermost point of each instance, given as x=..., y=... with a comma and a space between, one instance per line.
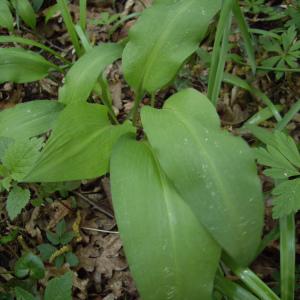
x=212, y=170
x=83, y=75
x=6, y=19
x=25, y=11
x=21, y=66
x=79, y=146
x=29, y=119
x=166, y=247
x=164, y=37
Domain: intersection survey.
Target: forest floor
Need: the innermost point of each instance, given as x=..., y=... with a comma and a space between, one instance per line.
x=101, y=271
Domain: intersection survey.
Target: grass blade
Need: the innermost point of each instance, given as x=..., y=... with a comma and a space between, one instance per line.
x=219, y=52
x=235, y=80
x=24, y=41
x=289, y=116
x=245, y=32
x=262, y=115
x=82, y=13
x=83, y=38
x=69, y=24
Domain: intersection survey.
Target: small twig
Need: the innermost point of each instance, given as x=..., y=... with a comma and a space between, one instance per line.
x=100, y=230
x=94, y=204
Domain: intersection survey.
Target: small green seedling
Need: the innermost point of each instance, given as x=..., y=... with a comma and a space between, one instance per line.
x=284, y=51
x=56, y=251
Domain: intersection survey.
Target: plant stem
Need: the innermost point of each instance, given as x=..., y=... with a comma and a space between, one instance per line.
x=232, y=290
x=134, y=111
x=251, y=280
x=103, y=90
x=287, y=233
x=153, y=99
x=287, y=257
x=82, y=13
x=69, y=24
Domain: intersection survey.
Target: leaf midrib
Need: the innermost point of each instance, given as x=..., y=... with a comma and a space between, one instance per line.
x=155, y=51
x=216, y=177
x=163, y=183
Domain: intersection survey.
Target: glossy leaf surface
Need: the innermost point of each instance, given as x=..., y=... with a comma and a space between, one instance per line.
x=163, y=38
x=82, y=77
x=29, y=119
x=212, y=170
x=165, y=245
x=21, y=66
x=80, y=145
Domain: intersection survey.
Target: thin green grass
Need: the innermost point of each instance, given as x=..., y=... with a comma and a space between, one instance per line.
x=82, y=14
x=219, y=52
x=246, y=34
x=69, y=25
x=24, y=41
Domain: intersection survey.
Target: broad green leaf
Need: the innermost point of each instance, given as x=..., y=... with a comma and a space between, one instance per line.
x=20, y=157
x=82, y=77
x=22, y=294
x=21, y=66
x=214, y=172
x=165, y=35
x=17, y=199
x=166, y=247
x=4, y=143
x=29, y=265
x=79, y=146
x=60, y=288
x=25, y=11
x=6, y=19
x=29, y=119
x=287, y=198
